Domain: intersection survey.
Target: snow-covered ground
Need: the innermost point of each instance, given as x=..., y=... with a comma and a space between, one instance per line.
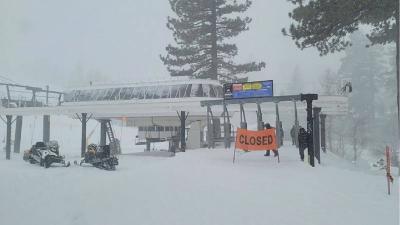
x=196, y=187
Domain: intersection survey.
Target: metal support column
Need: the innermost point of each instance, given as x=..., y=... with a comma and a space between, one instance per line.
x=8, y=137
x=47, y=95
x=296, y=125
x=309, y=99
x=323, y=133
x=260, y=122
x=33, y=98
x=8, y=96
x=83, y=145
x=183, y=131
x=278, y=126
x=213, y=128
x=46, y=128
x=148, y=145
x=209, y=141
x=310, y=133
x=243, y=122
x=103, y=132
x=317, y=147
x=227, y=128
x=18, y=131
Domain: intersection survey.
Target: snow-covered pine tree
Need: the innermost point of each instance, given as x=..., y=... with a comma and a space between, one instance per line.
x=364, y=67
x=326, y=25
x=388, y=114
x=201, y=30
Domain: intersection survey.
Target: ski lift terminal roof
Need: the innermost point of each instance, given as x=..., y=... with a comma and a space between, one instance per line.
x=146, y=84
x=146, y=91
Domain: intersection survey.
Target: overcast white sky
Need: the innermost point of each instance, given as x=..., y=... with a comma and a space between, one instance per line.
x=56, y=41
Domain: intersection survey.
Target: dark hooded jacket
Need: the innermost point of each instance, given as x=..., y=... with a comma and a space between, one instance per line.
x=303, y=138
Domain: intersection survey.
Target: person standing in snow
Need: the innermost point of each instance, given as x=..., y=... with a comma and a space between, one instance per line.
x=268, y=126
x=292, y=134
x=282, y=133
x=303, y=142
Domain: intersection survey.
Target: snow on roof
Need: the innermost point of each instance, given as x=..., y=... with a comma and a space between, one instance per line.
x=148, y=84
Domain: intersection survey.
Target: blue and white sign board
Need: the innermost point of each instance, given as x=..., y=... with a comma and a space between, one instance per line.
x=253, y=89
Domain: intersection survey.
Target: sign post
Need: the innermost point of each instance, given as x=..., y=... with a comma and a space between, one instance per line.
x=234, y=155
x=388, y=175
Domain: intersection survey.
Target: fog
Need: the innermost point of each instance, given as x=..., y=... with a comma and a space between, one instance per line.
x=166, y=136
x=59, y=42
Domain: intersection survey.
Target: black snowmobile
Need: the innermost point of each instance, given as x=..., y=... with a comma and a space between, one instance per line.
x=100, y=157
x=45, y=154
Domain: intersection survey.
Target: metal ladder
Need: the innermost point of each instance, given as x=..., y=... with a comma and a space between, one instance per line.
x=114, y=143
x=110, y=132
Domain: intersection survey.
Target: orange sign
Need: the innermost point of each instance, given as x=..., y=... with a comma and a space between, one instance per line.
x=256, y=140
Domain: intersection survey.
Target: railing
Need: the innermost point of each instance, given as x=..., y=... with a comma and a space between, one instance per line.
x=20, y=103
x=16, y=96
x=144, y=92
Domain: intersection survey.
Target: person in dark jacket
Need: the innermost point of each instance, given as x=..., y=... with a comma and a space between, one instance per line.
x=303, y=142
x=268, y=126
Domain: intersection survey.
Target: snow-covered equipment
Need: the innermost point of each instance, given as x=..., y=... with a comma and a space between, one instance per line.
x=45, y=154
x=99, y=157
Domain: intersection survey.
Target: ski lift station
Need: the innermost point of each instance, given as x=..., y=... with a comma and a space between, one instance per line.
x=190, y=114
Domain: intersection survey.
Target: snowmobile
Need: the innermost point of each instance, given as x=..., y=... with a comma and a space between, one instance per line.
x=99, y=157
x=45, y=154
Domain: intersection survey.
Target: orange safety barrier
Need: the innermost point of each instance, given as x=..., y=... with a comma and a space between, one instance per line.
x=256, y=140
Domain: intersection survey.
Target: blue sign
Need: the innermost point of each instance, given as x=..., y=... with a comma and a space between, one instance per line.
x=254, y=89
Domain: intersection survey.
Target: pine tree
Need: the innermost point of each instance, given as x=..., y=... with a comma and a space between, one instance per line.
x=326, y=24
x=363, y=67
x=388, y=112
x=200, y=31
